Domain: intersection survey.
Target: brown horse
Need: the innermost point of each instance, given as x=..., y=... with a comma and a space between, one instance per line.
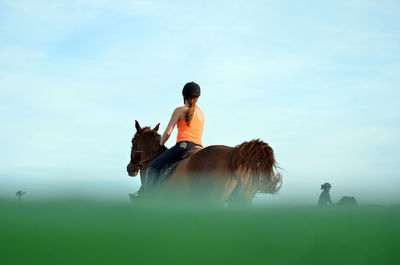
x=220, y=173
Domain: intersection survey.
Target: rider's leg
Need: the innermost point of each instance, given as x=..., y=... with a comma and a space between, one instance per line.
x=151, y=177
x=173, y=154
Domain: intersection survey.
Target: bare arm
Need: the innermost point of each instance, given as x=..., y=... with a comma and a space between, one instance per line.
x=171, y=125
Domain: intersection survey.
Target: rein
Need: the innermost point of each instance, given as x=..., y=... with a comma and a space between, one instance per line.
x=140, y=163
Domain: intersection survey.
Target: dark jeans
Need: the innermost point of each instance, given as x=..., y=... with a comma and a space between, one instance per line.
x=173, y=154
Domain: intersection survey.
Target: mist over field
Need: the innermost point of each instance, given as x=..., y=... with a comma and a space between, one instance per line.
x=118, y=189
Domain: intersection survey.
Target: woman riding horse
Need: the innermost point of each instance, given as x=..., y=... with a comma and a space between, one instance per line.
x=216, y=173
x=190, y=122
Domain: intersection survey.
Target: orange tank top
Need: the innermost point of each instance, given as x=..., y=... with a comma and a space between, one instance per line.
x=193, y=132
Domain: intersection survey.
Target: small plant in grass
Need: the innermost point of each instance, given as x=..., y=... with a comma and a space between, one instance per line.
x=20, y=194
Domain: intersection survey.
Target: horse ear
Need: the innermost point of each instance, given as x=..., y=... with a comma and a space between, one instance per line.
x=156, y=128
x=138, y=128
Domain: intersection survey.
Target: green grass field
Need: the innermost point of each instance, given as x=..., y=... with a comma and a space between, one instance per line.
x=79, y=232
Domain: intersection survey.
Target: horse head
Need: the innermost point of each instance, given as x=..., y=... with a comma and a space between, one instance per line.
x=145, y=147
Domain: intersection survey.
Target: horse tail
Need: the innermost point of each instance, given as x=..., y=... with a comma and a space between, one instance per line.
x=254, y=163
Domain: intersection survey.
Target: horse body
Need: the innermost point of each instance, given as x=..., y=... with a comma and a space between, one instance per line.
x=217, y=173
x=214, y=182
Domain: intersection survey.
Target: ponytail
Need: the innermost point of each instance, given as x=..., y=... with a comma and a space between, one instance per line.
x=190, y=112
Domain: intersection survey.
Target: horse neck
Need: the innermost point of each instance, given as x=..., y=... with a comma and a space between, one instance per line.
x=152, y=155
x=146, y=165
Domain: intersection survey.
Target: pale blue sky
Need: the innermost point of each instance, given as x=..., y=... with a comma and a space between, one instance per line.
x=317, y=80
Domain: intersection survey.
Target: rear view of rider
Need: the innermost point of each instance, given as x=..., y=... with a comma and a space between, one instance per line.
x=325, y=197
x=190, y=122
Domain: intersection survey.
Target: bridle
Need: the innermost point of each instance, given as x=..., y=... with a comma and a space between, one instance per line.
x=141, y=162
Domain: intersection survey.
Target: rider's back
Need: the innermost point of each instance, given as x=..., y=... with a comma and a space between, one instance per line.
x=194, y=131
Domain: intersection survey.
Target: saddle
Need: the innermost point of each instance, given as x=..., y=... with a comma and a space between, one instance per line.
x=167, y=170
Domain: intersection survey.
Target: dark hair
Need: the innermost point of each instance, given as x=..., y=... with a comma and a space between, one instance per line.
x=192, y=105
x=325, y=186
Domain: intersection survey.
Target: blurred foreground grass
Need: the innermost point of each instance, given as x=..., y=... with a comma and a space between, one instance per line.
x=79, y=232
